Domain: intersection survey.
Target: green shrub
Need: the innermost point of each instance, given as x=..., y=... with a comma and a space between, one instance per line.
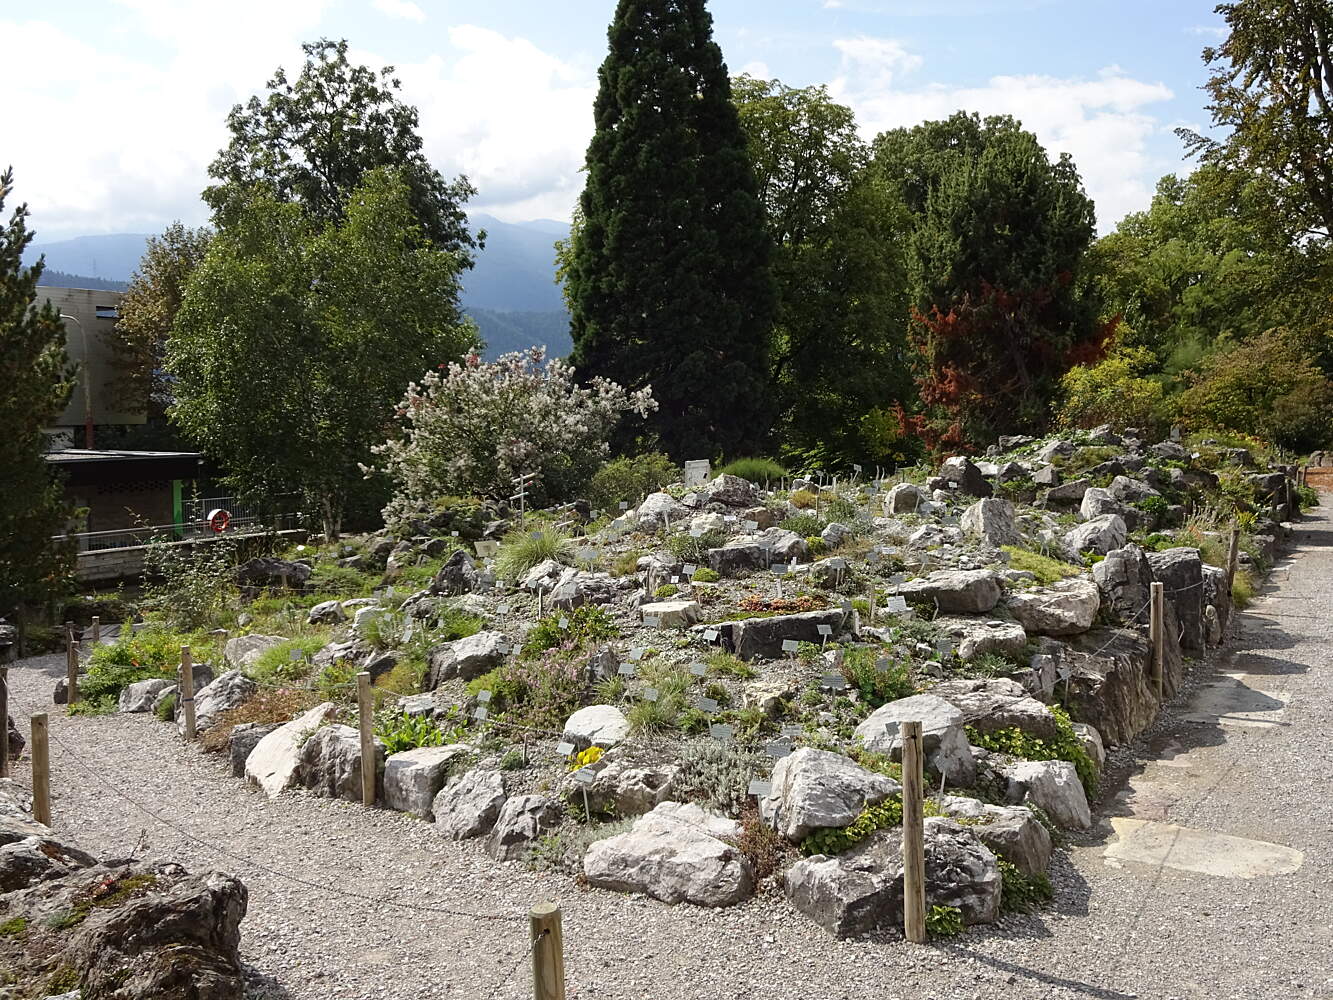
x=153, y=652
x=705, y=575
x=1022, y=893
x=816, y=545
x=1044, y=568
x=629, y=480
x=512, y=761
x=586, y=625
x=165, y=709
x=944, y=921
x=666, y=590
x=804, y=499
x=1154, y=507
x=860, y=668
x=1022, y=744
x=1113, y=391
x=524, y=548
x=400, y=731
x=835, y=840
x=760, y=471
x=695, y=550
x=804, y=524
x=276, y=665
x=1308, y=496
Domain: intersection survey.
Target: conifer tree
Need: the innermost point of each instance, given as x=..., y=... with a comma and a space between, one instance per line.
x=36, y=381
x=669, y=281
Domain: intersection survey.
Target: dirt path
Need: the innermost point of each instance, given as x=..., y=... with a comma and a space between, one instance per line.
x=1210, y=875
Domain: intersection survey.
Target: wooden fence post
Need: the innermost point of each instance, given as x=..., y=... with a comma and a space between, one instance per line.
x=1157, y=635
x=914, y=836
x=365, y=710
x=4, y=721
x=548, y=952
x=187, y=692
x=1233, y=557
x=71, y=665
x=41, y=771
x=97, y=631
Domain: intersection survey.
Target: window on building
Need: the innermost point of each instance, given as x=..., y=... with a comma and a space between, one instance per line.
x=107, y=312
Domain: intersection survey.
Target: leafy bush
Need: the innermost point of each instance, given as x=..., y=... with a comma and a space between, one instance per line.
x=524, y=548
x=804, y=524
x=1022, y=893
x=1113, y=391
x=586, y=625
x=191, y=587
x=630, y=480
x=1154, y=507
x=944, y=921
x=541, y=693
x=835, y=840
x=760, y=471
x=1022, y=744
x=860, y=667
x=276, y=665
x=1308, y=495
x=151, y=653
x=475, y=426
x=1044, y=568
x=705, y=575
x=400, y=731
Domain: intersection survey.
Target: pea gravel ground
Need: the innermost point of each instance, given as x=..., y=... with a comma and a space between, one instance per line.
x=1118, y=928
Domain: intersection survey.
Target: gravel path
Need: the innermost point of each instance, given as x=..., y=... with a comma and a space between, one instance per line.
x=1118, y=929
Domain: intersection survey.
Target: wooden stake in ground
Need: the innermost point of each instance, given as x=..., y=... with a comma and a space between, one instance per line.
x=4, y=720
x=1157, y=634
x=548, y=952
x=1233, y=557
x=914, y=836
x=41, y=771
x=71, y=665
x=97, y=630
x=366, y=713
x=187, y=691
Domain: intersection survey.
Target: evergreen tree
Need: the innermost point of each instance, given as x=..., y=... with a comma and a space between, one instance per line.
x=35, y=374
x=669, y=280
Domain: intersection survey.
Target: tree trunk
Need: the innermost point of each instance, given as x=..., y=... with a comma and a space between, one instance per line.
x=332, y=517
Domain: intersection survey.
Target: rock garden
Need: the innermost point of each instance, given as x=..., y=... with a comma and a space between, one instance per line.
x=696, y=694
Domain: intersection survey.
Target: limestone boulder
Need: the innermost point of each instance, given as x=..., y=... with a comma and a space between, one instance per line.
x=677, y=853
x=522, y=821
x=596, y=725
x=991, y=521
x=814, y=790
x=944, y=742
x=1053, y=787
x=1068, y=494
x=468, y=806
x=1011, y=832
x=829, y=573
x=732, y=491
x=1100, y=535
x=763, y=637
x=1128, y=490
x=956, y=592
x=975, y=637
x=244, y=651
x=141, y=695
x=960, y=473
x=861, y=890
x=327, y=613
x=998, y=703
x=1066, y=608
x=786, y=546
x=466, y=658
x=1098, y=502
x=1180, y=570
x=1125, y=580
x=622, y=787
x=545, y=576
x=329, y=763
x=904, y=498
x=659, y=508
x=1091, y=741
x=672, y=614
x=273, y=763
x=226, y=692
x=458, y=575
x=413, y=778
x=271, y=573
x=745, y=555
x=243, y=739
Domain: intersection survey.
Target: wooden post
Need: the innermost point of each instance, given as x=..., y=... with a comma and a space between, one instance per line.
x=1233, y=557
x=914, y=836
x=548, y=952
x=187, y=692
x=97, y=630
x=366, y=713
x=41, y=771
x=1157, y=634
x=71, y=664
x=4, y=721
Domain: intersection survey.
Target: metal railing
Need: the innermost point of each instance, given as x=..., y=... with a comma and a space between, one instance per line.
x=124, y=538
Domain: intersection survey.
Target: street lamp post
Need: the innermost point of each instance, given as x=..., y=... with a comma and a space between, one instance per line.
x=87, y=385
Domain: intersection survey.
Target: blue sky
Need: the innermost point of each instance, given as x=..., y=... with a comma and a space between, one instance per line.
x=115, y=107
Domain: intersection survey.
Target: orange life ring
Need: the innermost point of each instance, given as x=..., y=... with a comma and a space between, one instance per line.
x=218, y=520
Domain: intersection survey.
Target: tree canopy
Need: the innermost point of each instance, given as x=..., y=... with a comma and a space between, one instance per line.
x=668, y=276
x=297, y=337
x=313, y=139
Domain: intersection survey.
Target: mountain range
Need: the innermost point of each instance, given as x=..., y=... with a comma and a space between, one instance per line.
x=511, y=293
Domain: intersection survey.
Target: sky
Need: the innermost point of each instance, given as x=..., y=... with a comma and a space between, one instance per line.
x=114, y=108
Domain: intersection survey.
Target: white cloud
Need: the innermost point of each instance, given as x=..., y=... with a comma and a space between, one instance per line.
x=874, y=63
x=1102, y=122
x=404, y=9
x=1218, y=32
x=756, y=68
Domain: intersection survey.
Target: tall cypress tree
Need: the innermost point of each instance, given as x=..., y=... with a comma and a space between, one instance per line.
x=669, y=282
x=35, y=383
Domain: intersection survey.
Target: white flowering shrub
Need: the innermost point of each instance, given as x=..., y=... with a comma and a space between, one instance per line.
x=471, y=427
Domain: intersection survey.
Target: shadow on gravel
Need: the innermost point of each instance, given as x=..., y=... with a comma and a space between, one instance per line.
x=1017, y=971
x=259, y=986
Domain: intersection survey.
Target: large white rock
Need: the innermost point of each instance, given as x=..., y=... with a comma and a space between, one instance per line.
x=224, y=693
x=1067, y=608
x=815, y=789
x=622, y=788
x=658, y=508
x=707, y=522
x=1012, y=832
x=327, y=613
x=273, y=763
x=956, y=592
x=1100, y=535
x=330, y=763
x=544, y=576
x=1053, y=786
x=141, y=695
x=466, y=658
x=732, y=491
x=597, y=725
x=243, y=651
x=905, y=498
x=469, y=806
x=944, y=741
x=992, y=521
x=975, y=637
x=672, y=614
x=676, y=853
x=522, y=820
x=413, y=778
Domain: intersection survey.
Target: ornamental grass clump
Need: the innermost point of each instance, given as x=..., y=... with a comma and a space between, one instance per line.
x=472, y=428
